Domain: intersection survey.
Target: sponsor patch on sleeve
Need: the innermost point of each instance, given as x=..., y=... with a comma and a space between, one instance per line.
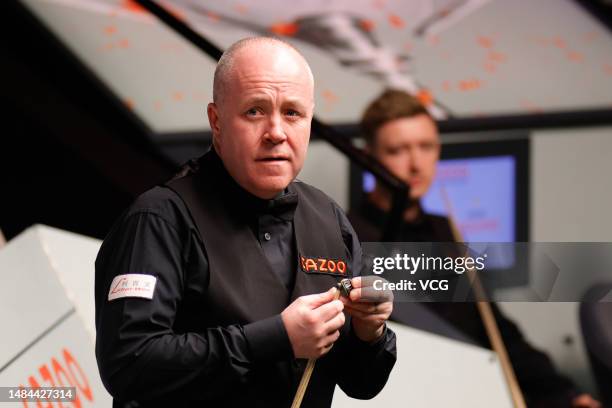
x=132, y=285
x=323, y=265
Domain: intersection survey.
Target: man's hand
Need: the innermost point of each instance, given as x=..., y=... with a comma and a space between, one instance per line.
x=313, y=323
x=585, y=401
x=369, y=312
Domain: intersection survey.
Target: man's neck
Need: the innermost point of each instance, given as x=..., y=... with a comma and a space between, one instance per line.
x=382, y=200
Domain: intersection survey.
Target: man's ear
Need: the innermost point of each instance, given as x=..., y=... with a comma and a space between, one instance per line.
x=213, y=120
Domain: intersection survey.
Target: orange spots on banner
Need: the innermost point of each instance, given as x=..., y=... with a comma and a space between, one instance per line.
x=178, y=96
x=212, y=16
x=329, y=96
x=110, y=30
x=495, y=56
x=107, y=47
x=157, y=105
x=241, y=8
x=469, y=84
x=490, y=67
x=287, y=29
x=559, y=42
x=425, y=97
x=131, y=5
x=447, y=86
x=484, y=41
x=433, y=40
x=367, y=25
x=607, y=69
x=575, y=56
x=123, y=43
x=396, y=21
x=129, y=103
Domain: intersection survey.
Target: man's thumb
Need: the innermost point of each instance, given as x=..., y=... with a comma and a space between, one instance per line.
x=319, y=299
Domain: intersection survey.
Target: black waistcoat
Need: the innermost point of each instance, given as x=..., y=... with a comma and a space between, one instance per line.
x=243, y=288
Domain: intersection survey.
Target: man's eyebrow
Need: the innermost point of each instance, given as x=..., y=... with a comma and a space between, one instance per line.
x=295, y=102
x=298, y=103
x=256, y=100
x=399, y=145
x=262, y=100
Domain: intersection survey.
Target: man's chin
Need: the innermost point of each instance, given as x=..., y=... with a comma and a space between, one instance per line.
x=270, y=186
x=415, y=198
x=418, y=192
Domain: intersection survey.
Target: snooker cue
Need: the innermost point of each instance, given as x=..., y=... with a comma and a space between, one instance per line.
x=299, y=394
x=487, y=317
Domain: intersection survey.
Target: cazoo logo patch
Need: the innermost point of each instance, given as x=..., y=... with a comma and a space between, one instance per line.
x=323, y=265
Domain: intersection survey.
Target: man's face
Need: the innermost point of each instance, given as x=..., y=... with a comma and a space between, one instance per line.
x=409, y=148
x=261, y=124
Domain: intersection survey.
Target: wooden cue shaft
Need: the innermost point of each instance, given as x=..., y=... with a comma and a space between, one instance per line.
x=299, y=394
x=488, y=319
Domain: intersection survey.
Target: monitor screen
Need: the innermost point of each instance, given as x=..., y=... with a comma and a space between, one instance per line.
x=478, y=191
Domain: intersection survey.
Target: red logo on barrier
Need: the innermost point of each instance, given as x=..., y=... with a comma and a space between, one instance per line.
x=68, y=374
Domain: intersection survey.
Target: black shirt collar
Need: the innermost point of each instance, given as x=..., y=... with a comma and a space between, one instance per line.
x=283, y=205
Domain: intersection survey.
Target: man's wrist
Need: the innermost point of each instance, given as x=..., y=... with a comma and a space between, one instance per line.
x=369, y=338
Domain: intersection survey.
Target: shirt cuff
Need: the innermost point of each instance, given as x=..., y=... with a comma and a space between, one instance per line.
x=268, y=340
x=364, y=345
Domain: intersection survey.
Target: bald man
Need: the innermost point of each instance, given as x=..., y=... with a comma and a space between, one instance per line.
x=214, y=288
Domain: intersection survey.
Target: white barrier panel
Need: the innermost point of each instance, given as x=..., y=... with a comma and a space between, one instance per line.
x=433, y=371
x=46, y=303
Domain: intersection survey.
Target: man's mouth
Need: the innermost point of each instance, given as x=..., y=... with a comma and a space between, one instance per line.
x=415, y=182
x=273, y=159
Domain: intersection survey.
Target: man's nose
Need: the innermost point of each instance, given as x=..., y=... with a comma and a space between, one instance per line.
x=275, y=133
x=414, y=162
